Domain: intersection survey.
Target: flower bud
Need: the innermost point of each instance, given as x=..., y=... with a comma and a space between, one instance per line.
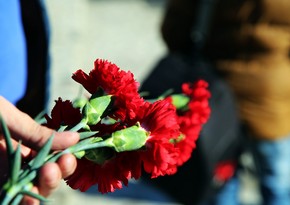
x=131, y=138
x=94, y=109
x=80, y=102
x=180, y=101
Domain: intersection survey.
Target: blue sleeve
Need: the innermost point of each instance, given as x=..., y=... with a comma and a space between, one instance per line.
x=12, y=51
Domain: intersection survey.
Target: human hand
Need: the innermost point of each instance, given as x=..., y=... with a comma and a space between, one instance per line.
x=33, y=137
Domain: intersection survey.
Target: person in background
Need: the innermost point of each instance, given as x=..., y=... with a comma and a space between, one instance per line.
x=36, y=29
x=24, y=61
x=23, y=66
x=248, y=43
x=13, y=55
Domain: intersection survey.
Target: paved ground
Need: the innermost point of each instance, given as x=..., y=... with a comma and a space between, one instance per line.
x=125, y=32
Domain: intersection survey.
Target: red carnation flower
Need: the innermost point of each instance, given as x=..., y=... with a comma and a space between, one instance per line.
x=108, y=176
x=160, y=156
x=224, y=170
x=191, y=120
x=63, y=113
x=163, y=150
x=109, y=78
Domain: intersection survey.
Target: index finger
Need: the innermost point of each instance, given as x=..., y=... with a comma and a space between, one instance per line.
x=33, y=135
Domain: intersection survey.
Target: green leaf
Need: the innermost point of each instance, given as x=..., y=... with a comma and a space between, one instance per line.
x=34, y=195
x=180, y=101
x=106, y=120
x=84, y=135
x=62, y=128
x=79, y=102
x=40, y=117
x=7, y=137
x=42, y=154
x=86, y=144
x=16, y=164
x=95, y=108
x=79, y=154
x=26, y=191
x=17, y=199
x=9, y=146
x=91, y=115
x=81, y=125
x=100, y=104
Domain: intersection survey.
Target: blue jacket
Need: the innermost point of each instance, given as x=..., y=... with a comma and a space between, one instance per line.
x=12, y=51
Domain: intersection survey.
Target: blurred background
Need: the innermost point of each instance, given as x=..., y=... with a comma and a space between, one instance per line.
x=125, y=32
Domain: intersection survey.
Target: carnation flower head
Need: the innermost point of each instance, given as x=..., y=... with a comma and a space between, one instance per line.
x=108, y=176
x=224, y=170
x=63, y=113
x=160, y=155
x=110, y=79
x=163, y=150
x=193, y=117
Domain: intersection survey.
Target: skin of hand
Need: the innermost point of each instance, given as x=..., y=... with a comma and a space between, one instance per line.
x=33, y=136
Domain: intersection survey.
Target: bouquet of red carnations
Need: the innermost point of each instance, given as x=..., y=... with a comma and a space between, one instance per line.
x=121, y=133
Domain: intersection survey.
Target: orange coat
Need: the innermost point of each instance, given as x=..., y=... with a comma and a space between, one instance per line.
x=250, y=44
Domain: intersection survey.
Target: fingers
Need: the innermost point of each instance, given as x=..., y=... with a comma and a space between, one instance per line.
x=67, y=164
x=63, y=140
x=52, y=173
x=49, y=178
x=34, y=136
x=27, y=200
x=23, y=127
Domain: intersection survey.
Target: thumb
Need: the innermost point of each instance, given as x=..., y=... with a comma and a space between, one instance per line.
x=33, y=135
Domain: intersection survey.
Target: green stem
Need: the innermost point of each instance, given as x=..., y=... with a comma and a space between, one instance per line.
x=27, y=176
x=5, y=198
x=11, y=195
x=81, y=146
x=79, y=126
